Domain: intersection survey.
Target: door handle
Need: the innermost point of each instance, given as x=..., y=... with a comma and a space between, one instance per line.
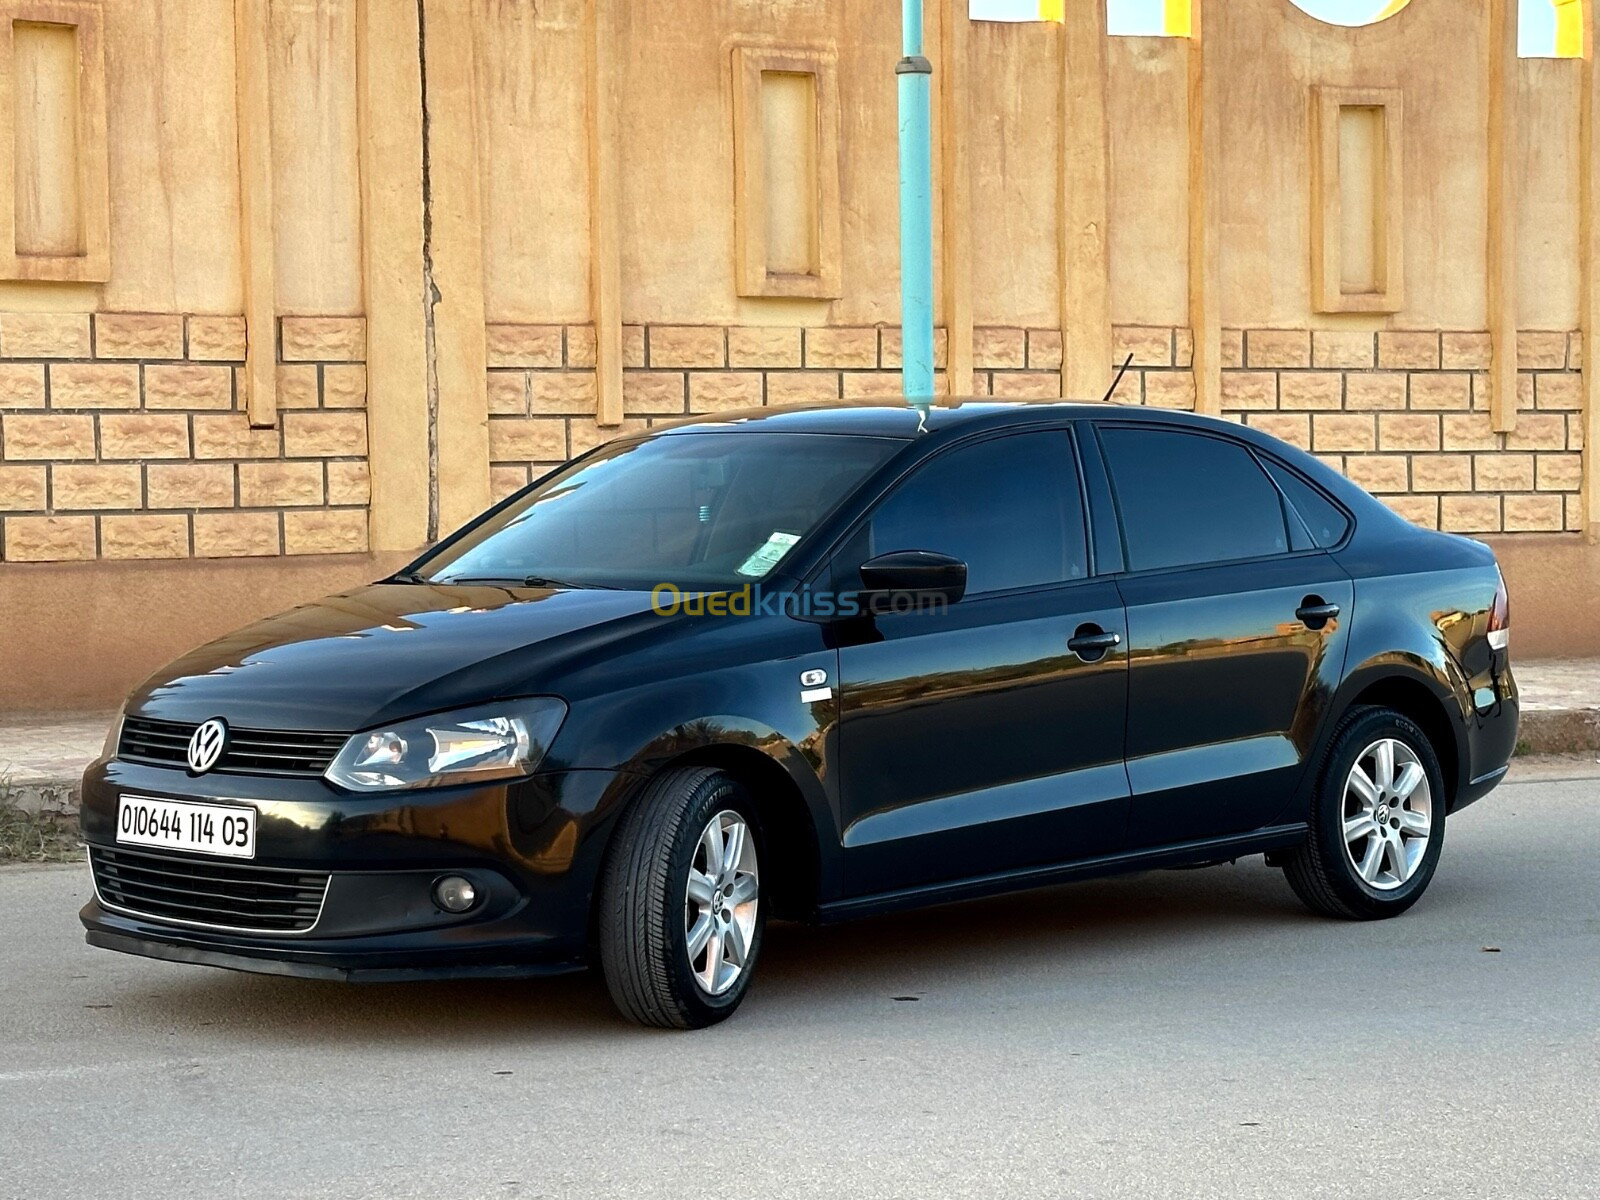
x=1314, y=612
x=1091, y=642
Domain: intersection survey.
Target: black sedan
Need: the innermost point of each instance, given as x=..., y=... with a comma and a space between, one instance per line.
x=812, y=664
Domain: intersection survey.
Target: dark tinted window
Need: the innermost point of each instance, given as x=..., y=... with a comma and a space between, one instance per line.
x=1186, y=498
x=1008, y=507
x=1323, y=519
x=700, y=510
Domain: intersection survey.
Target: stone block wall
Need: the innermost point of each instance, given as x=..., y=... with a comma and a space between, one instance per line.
x=1406, y=415
x=125, y=436
x=1403, y=413
x=542, y=387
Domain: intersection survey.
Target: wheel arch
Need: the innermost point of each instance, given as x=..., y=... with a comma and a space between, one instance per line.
x=1414, y=692
x=793, y=859
x=785, y=785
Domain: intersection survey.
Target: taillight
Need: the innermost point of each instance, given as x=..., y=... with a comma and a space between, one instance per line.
x=1500, y=618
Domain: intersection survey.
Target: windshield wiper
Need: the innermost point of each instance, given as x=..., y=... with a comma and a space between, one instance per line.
x=526, y=581
x=408, y=577
x=545, y=581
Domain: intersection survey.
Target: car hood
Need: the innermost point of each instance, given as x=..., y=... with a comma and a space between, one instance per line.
x=388, y=651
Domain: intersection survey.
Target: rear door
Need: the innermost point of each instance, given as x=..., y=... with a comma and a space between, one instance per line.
x=978, y=740
x=1236, y=631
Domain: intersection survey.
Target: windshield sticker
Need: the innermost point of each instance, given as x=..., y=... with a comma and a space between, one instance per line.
x=769, y=555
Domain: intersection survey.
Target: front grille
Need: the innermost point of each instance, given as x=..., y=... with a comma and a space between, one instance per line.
x=229, y=895
x=249, y=752
x=154, y=741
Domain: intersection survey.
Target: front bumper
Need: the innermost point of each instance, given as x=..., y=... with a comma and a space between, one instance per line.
x=344, y=964
x=533, y=847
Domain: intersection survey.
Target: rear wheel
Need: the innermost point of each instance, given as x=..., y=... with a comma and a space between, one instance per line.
x=1377, y=820
x=681, y=917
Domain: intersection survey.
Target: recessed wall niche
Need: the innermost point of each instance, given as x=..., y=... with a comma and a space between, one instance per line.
x=786, y=172
x=1357, y=251
x=54, y=215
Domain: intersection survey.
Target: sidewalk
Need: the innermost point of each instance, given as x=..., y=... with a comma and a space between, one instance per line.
x=1560, y=705
x=43, y=755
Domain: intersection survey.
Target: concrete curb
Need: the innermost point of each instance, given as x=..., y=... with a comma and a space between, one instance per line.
x=1559, y=731
x=1542, y=731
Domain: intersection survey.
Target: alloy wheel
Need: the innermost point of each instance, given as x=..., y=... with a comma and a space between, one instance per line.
x=720, y=902
x=1388, y=814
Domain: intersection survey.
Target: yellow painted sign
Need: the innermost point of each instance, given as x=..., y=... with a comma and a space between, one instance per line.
x=1142, y=17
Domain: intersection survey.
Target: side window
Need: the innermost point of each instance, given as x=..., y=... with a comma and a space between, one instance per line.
x=1009, y=507
x=1324, y=520
x=1186, y=498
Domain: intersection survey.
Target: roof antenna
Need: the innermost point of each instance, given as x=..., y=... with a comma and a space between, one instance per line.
x=1121, y=371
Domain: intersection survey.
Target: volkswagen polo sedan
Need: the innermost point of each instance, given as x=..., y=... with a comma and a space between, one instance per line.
x=814, y=664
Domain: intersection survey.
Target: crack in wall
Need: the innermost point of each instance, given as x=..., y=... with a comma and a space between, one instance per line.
x=430, y=290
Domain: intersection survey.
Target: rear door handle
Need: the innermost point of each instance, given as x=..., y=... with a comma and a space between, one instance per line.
x=1091, y=642
x=1315, y=613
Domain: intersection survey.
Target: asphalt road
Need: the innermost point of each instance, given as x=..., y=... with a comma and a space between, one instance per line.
x=1173, y=1034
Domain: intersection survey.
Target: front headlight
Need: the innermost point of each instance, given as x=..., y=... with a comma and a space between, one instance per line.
x=498, y=741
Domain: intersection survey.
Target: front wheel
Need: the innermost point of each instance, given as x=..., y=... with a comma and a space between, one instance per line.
x=1377, y=820
x=681, y=916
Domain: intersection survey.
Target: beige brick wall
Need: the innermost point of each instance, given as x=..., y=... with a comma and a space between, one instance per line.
x=542, y=385
x=1404, y=413
x=124, y=435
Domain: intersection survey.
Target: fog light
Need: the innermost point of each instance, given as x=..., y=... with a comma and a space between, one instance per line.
x=455, y=894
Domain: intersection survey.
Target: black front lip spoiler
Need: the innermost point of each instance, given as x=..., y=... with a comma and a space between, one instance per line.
x=200, y=956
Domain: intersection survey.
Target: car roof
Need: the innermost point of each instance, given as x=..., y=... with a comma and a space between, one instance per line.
x=897, y=417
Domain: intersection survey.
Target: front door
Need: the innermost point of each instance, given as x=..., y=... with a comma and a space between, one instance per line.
x=976, y=740
x=1236, y=632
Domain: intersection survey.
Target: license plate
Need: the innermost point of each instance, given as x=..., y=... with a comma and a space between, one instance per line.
x=183, y=825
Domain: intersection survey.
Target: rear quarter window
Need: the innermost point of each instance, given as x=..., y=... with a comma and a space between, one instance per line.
x=1323, y=520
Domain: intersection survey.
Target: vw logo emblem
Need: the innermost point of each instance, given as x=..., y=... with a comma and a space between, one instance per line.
x=207, y=745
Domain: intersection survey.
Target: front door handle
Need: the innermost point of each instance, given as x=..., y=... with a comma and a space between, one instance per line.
x=1091, y=642
x=1314, y=612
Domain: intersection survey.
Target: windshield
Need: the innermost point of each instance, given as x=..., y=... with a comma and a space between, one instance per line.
x=701, y=511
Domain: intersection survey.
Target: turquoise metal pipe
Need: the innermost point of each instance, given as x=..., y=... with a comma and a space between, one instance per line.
x=916, y=209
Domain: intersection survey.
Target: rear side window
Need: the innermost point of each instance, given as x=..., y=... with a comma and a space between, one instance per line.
x=1008, y=507
x=1187, y=498
x=1324, y=520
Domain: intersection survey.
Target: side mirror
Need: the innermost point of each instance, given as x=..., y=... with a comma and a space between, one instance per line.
x=916, y=573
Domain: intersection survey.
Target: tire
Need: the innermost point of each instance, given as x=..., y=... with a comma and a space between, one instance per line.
x=1347, y=877
x=647, y=906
